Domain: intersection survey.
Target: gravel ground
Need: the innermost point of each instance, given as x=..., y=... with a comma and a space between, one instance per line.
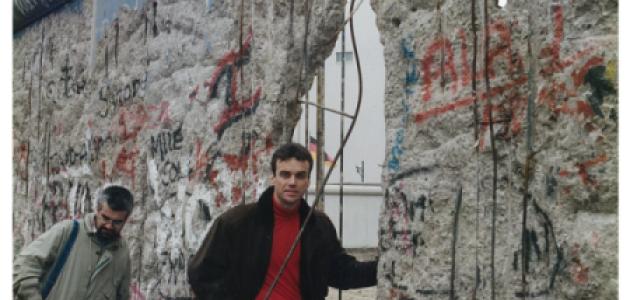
x=357, y=294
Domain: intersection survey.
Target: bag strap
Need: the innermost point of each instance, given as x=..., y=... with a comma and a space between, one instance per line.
x=61, y=260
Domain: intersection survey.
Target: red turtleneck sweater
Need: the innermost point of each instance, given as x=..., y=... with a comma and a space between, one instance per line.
x=286, y=226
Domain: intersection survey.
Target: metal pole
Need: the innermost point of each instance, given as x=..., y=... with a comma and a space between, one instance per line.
x=320, y=134
x=306, y=136
x=341, y=125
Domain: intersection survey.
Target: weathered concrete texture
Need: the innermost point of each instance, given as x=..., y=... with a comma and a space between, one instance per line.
x=179, y=101
x=544, y=226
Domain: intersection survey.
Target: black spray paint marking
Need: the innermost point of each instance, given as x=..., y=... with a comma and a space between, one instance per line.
x=600, y=87
x=41, y=75
x=410, y=172
x=168, y=23
x=206, y=211
x=551, y=184
x=433, y=292
x=458, y=205
x=65, y=70
x=515, y=260
x=524, y=242
x=117, y=28
x=486, y=37
x=51, y=51
x=170, y=172
x=106, y=59
x=422, y=203
x=530, y=294
x=155, y=28
x=534, y=242
x=558, y=265
x=291, y=24
x=164, y=142
x=146, y=26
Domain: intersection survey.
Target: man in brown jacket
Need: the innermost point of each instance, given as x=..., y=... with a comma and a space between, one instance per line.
x=245, y=247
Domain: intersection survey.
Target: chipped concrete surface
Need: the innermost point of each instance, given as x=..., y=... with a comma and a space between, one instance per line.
x=184, y=101
x=543, y=75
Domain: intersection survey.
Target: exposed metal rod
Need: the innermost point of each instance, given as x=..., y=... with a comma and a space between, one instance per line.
x=321, y=139
x=341, y=125
x=356, y=183
x=327, y=109
x=489, y=108
x=306, y=136
x=337, y=155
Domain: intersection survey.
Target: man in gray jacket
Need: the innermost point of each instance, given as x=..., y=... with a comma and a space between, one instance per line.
x=97, y=265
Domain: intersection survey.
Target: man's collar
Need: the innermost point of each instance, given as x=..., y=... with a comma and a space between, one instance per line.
x=266, y=205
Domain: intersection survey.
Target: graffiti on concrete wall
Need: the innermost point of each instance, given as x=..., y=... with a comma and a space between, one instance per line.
x=573, y=85
x=579, y=63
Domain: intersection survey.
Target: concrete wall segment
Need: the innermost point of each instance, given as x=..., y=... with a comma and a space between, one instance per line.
x=556, y=158
x=170, y=104
x=173, y=108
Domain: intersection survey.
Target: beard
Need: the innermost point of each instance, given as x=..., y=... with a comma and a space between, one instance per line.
x=106, y=236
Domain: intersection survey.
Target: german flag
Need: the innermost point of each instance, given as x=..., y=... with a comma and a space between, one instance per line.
x=312, y=147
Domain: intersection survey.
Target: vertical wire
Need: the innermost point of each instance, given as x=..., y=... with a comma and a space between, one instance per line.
x=235, y=101
x=477, y=139
x=252, y=141
x=320, y=191
x=307, y=92
x=492, y=143
x=306, y=133
x=341, y=125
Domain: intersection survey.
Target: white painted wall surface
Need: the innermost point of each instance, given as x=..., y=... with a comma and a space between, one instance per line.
x=361, y=206
x=367, y=143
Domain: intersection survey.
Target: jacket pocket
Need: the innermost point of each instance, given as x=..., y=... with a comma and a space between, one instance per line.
x=107, y=295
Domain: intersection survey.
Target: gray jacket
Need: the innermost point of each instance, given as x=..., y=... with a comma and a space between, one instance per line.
x=90, y=272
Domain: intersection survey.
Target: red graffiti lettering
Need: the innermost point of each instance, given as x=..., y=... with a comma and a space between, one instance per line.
x=553, y=51
x=558, y=97
x=23, y=161
x=441, y=44
x=466, y=73
x=237, y=194
x=578, y=75
x=136, y=294
x=131, y=121
x=57, y=129
x=219, y=200
x=582, y=170
x=193, y=94
x=201, y=162
x=103, y=169
x=229, y=68
x=503, y=48
x=126, y=162
x=163, y=117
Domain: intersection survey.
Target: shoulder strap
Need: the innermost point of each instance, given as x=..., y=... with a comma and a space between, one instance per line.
x=61, y=260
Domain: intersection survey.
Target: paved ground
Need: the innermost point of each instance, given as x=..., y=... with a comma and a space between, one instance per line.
x=358, y=294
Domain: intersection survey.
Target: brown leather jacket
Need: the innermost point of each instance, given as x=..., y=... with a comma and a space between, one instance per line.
x=232, y=261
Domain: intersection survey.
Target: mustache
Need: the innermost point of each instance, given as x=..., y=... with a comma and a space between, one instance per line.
x=106, y=233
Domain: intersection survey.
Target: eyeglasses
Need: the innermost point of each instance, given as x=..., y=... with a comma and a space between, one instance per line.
x=107, y=219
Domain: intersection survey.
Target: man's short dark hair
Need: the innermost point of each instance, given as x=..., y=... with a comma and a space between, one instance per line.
x=292, y=150
x=118, y=198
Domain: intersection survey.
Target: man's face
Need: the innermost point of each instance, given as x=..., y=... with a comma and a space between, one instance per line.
x=109, y=222
x=290, y=181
